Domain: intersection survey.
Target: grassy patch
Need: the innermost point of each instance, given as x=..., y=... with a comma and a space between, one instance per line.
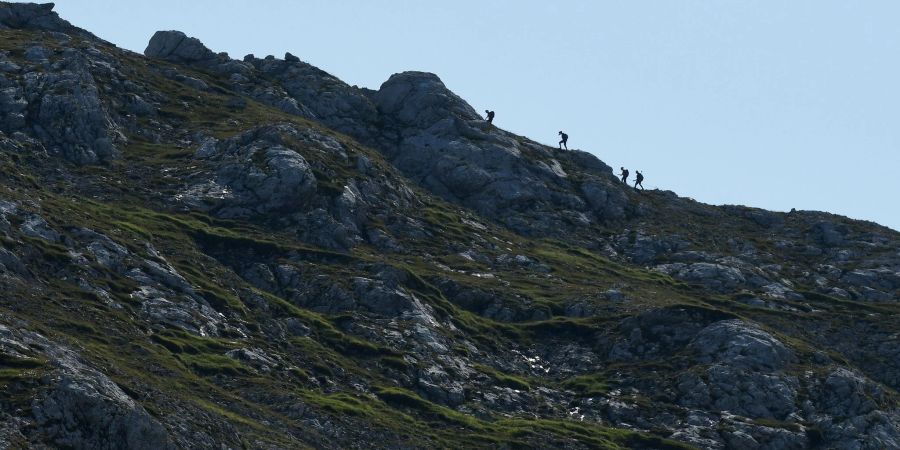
x=13, y=368
x=207, y=364
x=340, y=403
x=177, y=341
x=510, y=381
x=587, y=385
x=403, y=398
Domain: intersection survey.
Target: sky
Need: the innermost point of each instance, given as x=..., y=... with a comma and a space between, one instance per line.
x=768, y=103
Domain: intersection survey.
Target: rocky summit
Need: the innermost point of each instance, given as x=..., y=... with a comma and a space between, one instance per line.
x=204, y=252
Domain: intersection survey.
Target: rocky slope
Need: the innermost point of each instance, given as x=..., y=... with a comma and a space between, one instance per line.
x=203, y=252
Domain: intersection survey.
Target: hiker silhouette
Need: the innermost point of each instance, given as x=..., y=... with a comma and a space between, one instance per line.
x=624, y=175
x=490, y=116
x=563, y=139
x=638, y=179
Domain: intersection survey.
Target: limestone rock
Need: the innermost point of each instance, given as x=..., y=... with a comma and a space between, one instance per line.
x=82, y=408
x=420, y=100
x=31, y=15
x=68, y=115
x=176, y=46
x=258, y=174
x=88, y=411
x=741, y=345
x=717, y=277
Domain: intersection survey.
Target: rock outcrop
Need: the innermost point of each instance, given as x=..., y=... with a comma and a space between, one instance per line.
x=204, y=252
x=32, y=16
x=176, y=46
x=81, y=408
x=430, y=134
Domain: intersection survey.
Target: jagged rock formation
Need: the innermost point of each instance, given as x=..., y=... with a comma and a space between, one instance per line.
x=203, y=252
x=431, y=135
x=32, y=16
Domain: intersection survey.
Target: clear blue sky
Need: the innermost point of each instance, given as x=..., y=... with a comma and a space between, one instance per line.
x=771, y=104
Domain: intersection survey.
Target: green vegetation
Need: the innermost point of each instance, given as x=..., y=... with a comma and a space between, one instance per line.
x=350, y=369
x=503, y=379
x=205, y=364
x=441, y=414
x=198, y=364
x=13, y=368
x=587, y=385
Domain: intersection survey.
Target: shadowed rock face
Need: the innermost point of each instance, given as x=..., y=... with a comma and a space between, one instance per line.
x=420, y=100
x=61, y=107
x=59, y=104
x=257, y=174
x=176, y=46
x=438, y=139
x=82, y=407
x=430, y=134
x=202, y=252
x=68, y=115
x=31, y=15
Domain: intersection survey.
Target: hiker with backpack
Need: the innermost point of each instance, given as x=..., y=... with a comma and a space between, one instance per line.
x=563, y=139
x=490, y=116
x=638, y=179
x=624, y=175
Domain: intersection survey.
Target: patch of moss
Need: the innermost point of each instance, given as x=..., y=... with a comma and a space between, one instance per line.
x=587, y=385
x=403, y=398
x=209, y=364
x=178, y=341
x=510, y=381
x=14, y=368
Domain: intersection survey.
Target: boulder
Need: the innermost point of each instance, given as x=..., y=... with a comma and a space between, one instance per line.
x=177, y=47
x=86, y=410
x=717, y=277
x=80, y=407
x=259, y=173
x=67, y=114
x=732, y=389
x=848, y=414
x=741, y=345
x=420, y=100
x=745, y=374
x=31, y=15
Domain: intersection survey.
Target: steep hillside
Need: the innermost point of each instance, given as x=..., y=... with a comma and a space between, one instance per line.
x=203, y=252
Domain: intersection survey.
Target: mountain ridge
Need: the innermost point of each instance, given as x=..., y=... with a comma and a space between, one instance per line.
x=205, y=252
